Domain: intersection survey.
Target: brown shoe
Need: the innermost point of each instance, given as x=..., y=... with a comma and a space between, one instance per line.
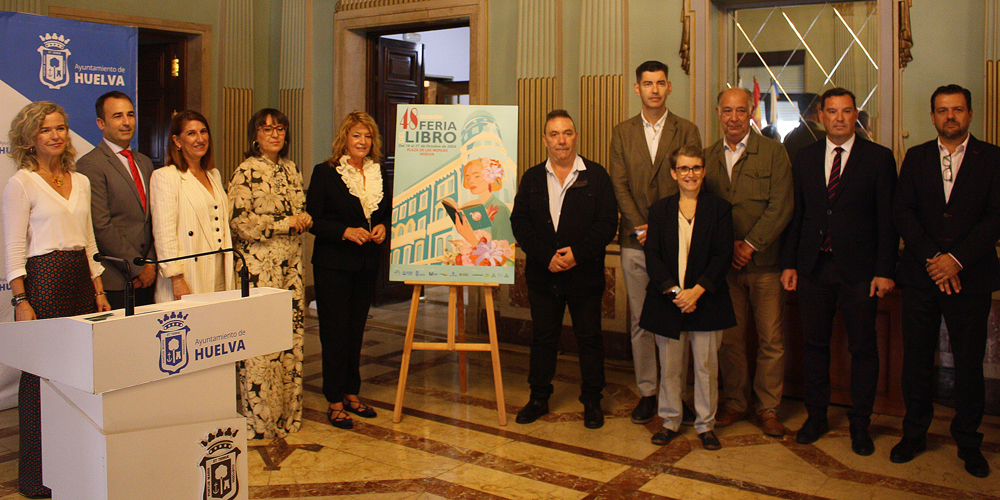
x=770, y=424
x=729, y=416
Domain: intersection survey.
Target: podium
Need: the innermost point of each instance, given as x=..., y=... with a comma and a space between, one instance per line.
x=144, y=406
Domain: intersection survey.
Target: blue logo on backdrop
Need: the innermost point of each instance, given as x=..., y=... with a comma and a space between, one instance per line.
x=173, y=342
x=219, y=465
x=54, y=72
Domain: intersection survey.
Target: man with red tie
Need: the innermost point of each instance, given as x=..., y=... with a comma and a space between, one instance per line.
x=119, y=186
x=840, y=252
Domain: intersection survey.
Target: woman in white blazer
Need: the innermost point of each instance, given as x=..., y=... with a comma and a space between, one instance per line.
x=190, y=213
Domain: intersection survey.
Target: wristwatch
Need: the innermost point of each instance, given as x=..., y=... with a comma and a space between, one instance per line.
x=18, y=298
x=672, y=293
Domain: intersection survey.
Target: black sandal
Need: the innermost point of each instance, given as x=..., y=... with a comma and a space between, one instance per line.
x=339, y=418
x=362, y=410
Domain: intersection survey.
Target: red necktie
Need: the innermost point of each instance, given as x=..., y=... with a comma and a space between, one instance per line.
x=831, y=190
x=135, y=176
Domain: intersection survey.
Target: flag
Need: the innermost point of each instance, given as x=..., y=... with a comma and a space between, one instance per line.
x=756, y=103
x=773, y=115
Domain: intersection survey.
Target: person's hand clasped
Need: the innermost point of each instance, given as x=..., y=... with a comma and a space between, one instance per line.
x=146, y=277
x=640, y=233
x=943, y=269
x=562, y=260
x=742, y=253
x=378, y=234
x=687, y=299
x=358, y=235
x=300, y=222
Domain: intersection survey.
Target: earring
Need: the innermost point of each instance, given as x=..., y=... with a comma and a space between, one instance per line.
x=255, y=145
x=31, y=150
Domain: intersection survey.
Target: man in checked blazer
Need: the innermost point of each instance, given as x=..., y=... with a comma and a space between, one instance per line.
x=640, y=172
x=119, y=201
x=947, y=210
x=840, y=251
x=753, y=174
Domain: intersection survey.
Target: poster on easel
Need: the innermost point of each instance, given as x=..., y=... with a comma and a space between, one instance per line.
x=454, y=185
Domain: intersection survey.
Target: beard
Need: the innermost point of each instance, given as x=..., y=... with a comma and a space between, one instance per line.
x=953, y=133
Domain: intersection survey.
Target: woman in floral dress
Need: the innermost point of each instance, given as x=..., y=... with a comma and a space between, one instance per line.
x=268, y=223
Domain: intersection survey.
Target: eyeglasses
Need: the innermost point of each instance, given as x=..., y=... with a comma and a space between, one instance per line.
x=946, y=173
x=684, y=170
x=267, y=129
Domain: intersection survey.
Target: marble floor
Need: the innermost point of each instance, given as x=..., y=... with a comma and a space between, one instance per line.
x=450, y=445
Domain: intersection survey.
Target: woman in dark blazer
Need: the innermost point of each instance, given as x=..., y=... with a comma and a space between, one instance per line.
x=687, y=299
x=350, y=213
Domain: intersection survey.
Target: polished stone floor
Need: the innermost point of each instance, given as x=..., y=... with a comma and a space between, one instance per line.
x=450, y=445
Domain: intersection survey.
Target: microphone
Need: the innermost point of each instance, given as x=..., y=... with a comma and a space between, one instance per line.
x=126, y=269
x=244, y=273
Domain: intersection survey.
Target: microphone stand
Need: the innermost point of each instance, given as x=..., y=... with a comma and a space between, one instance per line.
x=127, y=270
x=244, y=272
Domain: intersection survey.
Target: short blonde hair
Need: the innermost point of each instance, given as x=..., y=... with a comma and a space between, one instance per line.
x=340, y=142
x=25, y=128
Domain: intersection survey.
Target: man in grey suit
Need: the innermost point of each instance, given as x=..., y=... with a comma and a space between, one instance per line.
x=754, y=175
x=640, y=172
x=119, y=186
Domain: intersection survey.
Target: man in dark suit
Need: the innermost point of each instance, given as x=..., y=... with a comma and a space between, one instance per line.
x=809, y=130
x=564, y=216
x=119, y=190
x=947, y=210
x=840, y=251
x=640, y=170
x=753, y=174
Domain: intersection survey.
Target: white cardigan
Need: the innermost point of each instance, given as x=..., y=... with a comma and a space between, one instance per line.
x=182, y=225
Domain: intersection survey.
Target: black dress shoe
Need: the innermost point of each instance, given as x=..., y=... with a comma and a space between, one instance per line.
x=593, y=416
x=812, y=430
x=645, y=410
x=688, y=415
x=861, y=442
x=709, y=441
x=907, y=448
x=975, y=462
x=663, y=437
x=531, y=411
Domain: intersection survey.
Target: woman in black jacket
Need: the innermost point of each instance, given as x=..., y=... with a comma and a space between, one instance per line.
x=350, y=220
x=688, y=252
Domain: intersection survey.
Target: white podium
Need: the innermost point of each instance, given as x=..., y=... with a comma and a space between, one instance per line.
x=145, y=406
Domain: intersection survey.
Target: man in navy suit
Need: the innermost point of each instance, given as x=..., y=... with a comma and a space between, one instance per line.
x=119, y=190
x=840, y=251
x=564, y=216
x=947, y=210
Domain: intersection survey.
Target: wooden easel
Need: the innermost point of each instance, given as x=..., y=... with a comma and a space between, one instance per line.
x=456, y=318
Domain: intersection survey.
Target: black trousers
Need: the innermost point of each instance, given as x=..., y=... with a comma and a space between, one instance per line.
x=820, y=294
x=965, y=314
x=143, y=296
x=342, y=301
x=546, y=316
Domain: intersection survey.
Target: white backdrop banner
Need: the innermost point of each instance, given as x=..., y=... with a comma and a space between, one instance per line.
x=70, y=63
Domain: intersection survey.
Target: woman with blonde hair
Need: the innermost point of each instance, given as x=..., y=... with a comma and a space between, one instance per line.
x=268, y=223
x=350, y=220
x=49, y=239
x=190, y=213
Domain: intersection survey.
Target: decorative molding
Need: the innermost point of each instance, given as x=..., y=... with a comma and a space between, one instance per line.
x=237, y=85
x=539, y=70
x=991, y=51
x=905, y=33
x=602, y=74
x=685, y=51
x=293, y=76
x=23, y=6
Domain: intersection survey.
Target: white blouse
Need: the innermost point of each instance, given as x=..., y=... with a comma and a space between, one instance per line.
x=37, y=220
x=367, y=187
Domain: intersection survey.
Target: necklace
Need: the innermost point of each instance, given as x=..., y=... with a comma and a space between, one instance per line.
x=58, y=182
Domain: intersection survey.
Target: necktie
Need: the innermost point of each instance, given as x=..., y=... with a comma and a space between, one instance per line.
x=135, y=176
x=831, y=190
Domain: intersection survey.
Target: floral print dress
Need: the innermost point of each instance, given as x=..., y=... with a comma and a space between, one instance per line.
x=263, y=195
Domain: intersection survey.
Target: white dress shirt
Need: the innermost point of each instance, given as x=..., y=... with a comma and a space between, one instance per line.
x=653, y=132
x=830, y=154
x=557, y=191
x=956, y=163
x=733, y=155
x=124, y=161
